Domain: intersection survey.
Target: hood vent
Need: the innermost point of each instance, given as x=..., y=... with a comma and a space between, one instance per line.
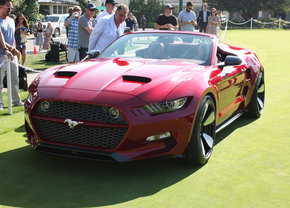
x=136, y=79
x=65, y=74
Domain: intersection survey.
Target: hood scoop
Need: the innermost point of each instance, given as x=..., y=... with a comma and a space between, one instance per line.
x=136, y=79
x=64, y=74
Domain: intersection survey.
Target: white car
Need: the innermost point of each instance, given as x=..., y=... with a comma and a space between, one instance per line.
x=57, y=22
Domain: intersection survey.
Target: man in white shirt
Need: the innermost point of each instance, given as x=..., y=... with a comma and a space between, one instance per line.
x=108, y=29
x=110, y=10
x=186, y=18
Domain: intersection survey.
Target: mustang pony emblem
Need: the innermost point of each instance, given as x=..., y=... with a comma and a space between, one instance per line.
x=72, y=123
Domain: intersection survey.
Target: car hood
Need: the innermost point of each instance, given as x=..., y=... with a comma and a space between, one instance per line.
x=121, y=75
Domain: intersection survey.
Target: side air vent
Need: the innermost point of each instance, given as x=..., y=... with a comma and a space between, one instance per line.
x=136, y=79
x=65, y=74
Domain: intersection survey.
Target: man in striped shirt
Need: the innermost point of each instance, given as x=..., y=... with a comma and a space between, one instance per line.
x=73, y=35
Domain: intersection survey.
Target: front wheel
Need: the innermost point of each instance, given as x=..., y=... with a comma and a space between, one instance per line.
x=202, y=139
x=256, y=104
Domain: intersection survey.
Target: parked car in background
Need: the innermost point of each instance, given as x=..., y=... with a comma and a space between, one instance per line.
x=57, y=22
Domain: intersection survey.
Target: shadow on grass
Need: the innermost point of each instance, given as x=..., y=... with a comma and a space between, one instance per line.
x=244, y=120
x=32, y=179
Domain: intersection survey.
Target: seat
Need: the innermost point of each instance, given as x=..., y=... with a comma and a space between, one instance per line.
x=203, y=52
x=156, y=51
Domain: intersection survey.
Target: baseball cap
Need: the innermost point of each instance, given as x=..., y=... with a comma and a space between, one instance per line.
x=169, y=6
x=111, y=2
x=90, y=6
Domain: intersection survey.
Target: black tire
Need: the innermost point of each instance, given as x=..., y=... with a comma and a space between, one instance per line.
x=202, y=139
x=57, y=32
x=256, y=105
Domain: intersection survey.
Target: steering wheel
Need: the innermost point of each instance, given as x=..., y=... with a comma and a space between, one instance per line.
x=190, y=56
x=196, y=57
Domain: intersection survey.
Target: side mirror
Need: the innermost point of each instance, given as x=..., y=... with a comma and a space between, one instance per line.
x=230, y=61
x=93, y=53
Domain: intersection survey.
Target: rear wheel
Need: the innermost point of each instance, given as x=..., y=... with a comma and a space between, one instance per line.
x=201, y=144
x=256, y=104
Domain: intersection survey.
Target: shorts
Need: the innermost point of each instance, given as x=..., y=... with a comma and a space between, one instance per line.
x=20, y=46
x=73, y=55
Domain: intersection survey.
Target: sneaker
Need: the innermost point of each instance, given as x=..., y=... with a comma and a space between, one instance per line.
x=1, y=108
x=18, y=104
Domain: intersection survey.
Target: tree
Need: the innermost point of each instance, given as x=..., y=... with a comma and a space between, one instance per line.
x=83, y=5
x=249, y=8
x=152, y=9
x=29, y=8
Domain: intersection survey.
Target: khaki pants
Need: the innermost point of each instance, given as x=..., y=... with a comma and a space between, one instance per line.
x=14, y=79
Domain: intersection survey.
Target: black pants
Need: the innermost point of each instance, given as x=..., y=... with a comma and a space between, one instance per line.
x=82, y=52
x=202, y=27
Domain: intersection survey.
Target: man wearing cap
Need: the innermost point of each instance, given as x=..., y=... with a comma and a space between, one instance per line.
x=166, y=21
x=186, y=18
x=110, y=10
x=202, y=18
x=108, y=29
x=85, y=28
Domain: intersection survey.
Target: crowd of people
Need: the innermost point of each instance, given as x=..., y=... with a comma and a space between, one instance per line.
x=207, y=21
x=86, y=33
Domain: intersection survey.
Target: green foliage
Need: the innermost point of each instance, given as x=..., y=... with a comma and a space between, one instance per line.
x=83, y=5
x=250, y=8
x=152, y=9
x=29, y=8
x=150, y=24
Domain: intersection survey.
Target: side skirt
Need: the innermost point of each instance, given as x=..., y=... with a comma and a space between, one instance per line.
x=229, y=121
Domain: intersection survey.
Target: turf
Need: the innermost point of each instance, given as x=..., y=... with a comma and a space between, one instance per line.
x=249, y=167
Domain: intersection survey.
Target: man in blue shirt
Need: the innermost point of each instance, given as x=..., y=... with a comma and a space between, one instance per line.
x=73, y=35
x=8, y=30
x=187, y=18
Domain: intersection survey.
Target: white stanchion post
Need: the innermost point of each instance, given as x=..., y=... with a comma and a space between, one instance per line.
x=9, y=90
x=279, y=23
x=226, y=29
x=251, y=22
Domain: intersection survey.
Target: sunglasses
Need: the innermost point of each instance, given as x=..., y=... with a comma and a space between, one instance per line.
x=77, y=10
x=189, y=8
x=8, y=8
x=92, y=10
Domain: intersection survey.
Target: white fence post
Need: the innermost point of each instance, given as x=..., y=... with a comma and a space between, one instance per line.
x=9, y=94
x=251, y=23
x=226, y=30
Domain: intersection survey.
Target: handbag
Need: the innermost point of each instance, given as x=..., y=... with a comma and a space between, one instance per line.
x=22, y=76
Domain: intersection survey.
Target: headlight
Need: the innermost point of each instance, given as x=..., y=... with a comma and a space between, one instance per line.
x=165, y=107
x=31, y=97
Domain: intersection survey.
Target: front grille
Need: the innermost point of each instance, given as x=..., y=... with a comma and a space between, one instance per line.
x=79, y=111
x=81, y=135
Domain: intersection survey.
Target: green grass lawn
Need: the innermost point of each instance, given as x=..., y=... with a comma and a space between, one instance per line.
x=37, y=61
x=250, y=165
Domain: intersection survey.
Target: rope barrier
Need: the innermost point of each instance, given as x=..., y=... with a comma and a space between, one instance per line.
x=242, y=23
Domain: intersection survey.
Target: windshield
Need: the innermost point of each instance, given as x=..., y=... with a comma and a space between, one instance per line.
x=191, y=47
x=50, y=18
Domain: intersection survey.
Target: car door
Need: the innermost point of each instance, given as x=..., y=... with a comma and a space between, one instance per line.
x=230, y=83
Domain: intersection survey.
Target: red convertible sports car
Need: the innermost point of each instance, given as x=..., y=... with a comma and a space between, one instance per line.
x=148, y=94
